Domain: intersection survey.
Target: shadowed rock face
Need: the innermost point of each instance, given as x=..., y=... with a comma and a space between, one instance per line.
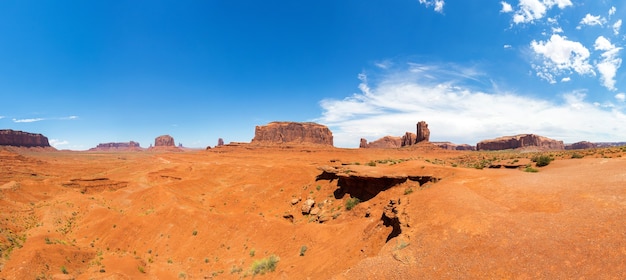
x=18, y=138
x=520, y=141
x=385, y=142
x=452, y=146
x=408, y=139
x=581, y=145
x=164, y=141
x=293, y=132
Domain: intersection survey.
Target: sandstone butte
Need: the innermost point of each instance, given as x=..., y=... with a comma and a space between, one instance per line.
x=422, y=135
x=520, y=141
x=117, y=146
x=18, y=138
x=293, y=132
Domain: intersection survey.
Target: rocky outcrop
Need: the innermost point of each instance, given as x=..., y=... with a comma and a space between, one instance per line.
x=293, y=132
x=409, y=139
x=581, y=146
x=220, y=142
x=520, y=141
x=423, y=133
x=164, y=141
x=454, y=147
x=18, y=138
x=385, y=142
x=117, y=146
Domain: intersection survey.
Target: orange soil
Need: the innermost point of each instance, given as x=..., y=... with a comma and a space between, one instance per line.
x=211, y=214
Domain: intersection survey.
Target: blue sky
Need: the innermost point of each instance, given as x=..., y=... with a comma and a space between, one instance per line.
x=87, y=72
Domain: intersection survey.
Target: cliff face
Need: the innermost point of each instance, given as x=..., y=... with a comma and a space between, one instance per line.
x=520, y=141
x=452, y=146
x=18, y=138
x=117, y=146
x=293, y=132
x=164, y=141
x=408, y=139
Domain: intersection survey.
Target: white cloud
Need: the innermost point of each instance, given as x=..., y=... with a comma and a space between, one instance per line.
x=621, y=97
x=557, y=30
x=506, y=7
x=69, y=118
x=610, y=61
x=507, y=46
x=616, y=26
x=438, y=4
x=28, y=120
x=592, y=20
x=561, y=56
x=2, y=117
x=56, y=143
x=566, y=79
x=531, y=10
x=460, y=114
x=612, y=11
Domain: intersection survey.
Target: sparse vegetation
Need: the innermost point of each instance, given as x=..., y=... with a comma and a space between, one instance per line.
x=252, y=252
x=64, y=270
x=141, y=269
x=265, y=265
x=530, y=169
x=542, y=160
x=303, y=250
x=577, y=155
x=194, y=233
x=408, y=190
x=352, y=202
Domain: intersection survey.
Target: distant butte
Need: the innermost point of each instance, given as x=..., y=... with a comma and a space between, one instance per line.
x=293, y=132
x=18, y=138
x=118, y=146
x=520, y=141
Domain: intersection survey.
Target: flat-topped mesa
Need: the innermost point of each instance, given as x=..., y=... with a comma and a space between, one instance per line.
x=18, y=138
x=164, y=141
x=520, y=141
x=117, y=146
x=293, y=132
x=581, y=145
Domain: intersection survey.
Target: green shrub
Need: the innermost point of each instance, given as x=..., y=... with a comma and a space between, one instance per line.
x=530, y=169
x=263, y=266
x=303, y=250
x=577, y=155
x=371, y=163
x=541, y=160
x=352, y=202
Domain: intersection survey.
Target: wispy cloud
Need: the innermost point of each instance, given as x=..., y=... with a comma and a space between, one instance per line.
x=461, y=114
x=506, y=7
x=616, y=27
x=530, y=10
x=437, y=4
x=56, y=143
x=610, y=61
x=28, y=120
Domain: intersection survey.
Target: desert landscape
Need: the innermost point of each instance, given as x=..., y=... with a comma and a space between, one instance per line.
x=287, y=207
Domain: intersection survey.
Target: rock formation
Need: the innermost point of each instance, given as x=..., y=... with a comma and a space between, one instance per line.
x=117, y=146
x=164, y=141
x=18, y=138
x=452, y=146
x=520, y=141
x=409, y=139
x=293, y=132
x=581, y=145
x=385, y=142
x=220, y=142
x=423, y=133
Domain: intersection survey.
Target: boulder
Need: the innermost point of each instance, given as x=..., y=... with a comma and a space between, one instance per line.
x=293, y=132
x=520, y=141
x=18, y=138
x=581, y=145
x=164, y=141
x=117, y=146
x=307, y=206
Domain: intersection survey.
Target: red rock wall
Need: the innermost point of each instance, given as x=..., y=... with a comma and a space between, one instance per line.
x=18, y=138
x=293, y=132
x=164, y=141
x=520, y=141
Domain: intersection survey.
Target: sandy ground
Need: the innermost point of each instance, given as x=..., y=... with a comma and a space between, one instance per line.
x=213, y=214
